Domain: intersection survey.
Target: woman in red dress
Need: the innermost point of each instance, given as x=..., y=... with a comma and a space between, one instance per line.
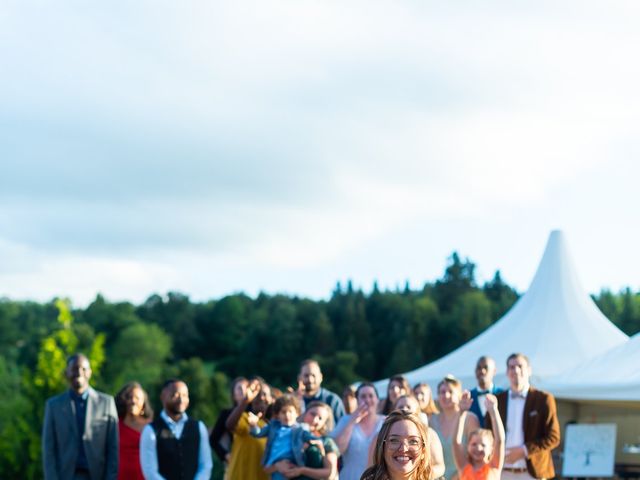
x=134, y=412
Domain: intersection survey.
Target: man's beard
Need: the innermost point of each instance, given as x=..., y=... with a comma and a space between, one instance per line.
x=176, y=411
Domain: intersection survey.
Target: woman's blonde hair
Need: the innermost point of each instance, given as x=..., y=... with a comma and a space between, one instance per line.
x=378, y=471
x=482, y=433
x=431, y=407
x=329, y=424
x=452, y=381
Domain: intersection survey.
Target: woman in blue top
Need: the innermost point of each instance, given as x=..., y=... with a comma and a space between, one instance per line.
x=355, y=432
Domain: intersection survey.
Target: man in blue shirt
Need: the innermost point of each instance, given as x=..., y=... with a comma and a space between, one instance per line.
x=80, y=432
x=310, y=378
x=175, y=446
x=485, y=371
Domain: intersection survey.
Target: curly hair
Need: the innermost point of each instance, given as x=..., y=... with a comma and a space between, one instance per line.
x=286, y=400
x=378, y=471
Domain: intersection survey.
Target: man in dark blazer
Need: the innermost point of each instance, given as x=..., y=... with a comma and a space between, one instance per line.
x=80, y=433
x=531, y=424
x=485, y=371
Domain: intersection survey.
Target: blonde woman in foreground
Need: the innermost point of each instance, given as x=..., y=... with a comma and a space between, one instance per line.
x=409, y=404
x=402, y=450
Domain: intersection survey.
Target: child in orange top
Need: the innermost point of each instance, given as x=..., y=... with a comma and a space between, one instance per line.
x=484, y=454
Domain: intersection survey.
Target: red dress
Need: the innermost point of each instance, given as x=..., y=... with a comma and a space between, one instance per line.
x=129, y=464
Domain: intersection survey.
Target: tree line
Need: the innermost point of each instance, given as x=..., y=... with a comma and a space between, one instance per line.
x=354, y=335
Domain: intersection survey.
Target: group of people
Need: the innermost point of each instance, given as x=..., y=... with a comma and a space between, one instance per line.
x=308, y=432
x=90, y=435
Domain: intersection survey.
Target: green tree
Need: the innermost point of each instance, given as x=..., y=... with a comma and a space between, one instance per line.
x=629, y=317
x=317, y=331
x=48, y=377
x=338, y=370
x=425, y=318
x=472, y=313
x=16, y=432
x=225, y=327
x=501, y=296
x=108, y=318
x=208, y=389
x=609, y=305
x=348, y=314
x=140, y=353
x=177, y=317
x=273, y=345
x=459, y=278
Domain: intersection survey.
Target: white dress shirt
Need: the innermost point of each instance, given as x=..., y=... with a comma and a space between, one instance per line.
x=481, y=400
x=515, y=427
x=149, y=453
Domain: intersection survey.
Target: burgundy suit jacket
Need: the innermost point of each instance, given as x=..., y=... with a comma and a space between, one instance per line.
x=541, y=429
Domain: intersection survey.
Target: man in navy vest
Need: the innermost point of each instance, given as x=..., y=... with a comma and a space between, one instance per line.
x=485, y=371
x=174, y=446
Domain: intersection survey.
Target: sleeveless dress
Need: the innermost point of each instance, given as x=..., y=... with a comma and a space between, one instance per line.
x=129, y=451
x=468, y=473
x=354, y=459
x=450, y=469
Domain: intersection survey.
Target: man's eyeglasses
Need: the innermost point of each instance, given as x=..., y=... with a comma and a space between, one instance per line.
x=414, y=444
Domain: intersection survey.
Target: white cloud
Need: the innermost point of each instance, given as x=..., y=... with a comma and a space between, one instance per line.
x=287, y=135
x=83, y=278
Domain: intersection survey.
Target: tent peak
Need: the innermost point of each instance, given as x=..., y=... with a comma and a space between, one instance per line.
x=555, y=323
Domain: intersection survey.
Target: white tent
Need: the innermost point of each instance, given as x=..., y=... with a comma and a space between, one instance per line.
x=556, y=324
x=613, y=376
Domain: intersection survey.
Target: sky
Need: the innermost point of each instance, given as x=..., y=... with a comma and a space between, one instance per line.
x=282, y=146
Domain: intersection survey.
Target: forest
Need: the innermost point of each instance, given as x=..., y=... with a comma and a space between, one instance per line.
x=354, y=335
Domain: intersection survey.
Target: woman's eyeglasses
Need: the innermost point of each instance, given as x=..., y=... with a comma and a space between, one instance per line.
x=414, y=444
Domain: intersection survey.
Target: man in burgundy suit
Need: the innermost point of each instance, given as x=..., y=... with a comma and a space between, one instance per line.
x=531, y=423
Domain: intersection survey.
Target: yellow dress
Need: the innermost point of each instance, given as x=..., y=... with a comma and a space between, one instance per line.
x=246, y=453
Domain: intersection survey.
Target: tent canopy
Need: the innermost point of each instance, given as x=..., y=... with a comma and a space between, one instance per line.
x=613, y=376
x=555, y=323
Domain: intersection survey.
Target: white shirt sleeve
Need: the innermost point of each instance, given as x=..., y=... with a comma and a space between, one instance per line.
x=148, y=454
x=205, y=462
